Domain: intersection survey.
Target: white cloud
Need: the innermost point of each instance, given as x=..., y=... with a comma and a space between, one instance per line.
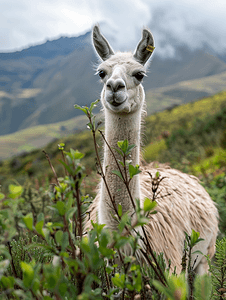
x=125, y=20
x=185, y=22
x=191, y=23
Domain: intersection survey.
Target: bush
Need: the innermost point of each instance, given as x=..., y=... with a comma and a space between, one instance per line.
x=46, y=255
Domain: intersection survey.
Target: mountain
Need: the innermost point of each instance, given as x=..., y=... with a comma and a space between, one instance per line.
x=157, y=100
x=184, y=92
x=179, y=122
x=40, y=85
x=50, y=49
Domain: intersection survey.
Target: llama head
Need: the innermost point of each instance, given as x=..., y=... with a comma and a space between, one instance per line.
x=122, y=73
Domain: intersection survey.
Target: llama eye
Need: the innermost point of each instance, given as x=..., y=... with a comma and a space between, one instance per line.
x=139, y=76
x=102, y=74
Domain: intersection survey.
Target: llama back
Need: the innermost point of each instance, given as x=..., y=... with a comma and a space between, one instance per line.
x=183, y=205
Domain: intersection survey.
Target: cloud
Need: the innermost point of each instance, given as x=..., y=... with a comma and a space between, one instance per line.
x=123, y=21
x=191, y=23
x=26, y=22
x=194, y=23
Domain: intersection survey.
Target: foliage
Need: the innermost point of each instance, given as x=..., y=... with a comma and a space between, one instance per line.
x=218, y=270
x=153, y=150
x=216, y=159
x=162, y=124
x=191, y=135
x=216, y=187
x=192, y=140
x=46, y=255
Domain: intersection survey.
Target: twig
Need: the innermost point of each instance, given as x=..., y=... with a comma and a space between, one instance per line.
x=124, y=180
x=107, y=279
x=78, y=205
x=131, y=198
x=152, y=254
x=153, y=266
x=64, y=159
x=98, y=158
x=70, y=239
x=12, y=262
x=51, y=166
x=109, y=147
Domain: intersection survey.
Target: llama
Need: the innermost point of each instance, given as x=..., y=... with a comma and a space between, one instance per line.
x=184, y=205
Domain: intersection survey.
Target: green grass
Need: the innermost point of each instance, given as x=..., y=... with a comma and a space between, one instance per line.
x=38, y=136
x=182, y=116
x=186, y=132
x=183, y=92
x=212, y=164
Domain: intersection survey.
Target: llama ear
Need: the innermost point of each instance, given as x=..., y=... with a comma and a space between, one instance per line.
x=145, y=47
x=101, y=44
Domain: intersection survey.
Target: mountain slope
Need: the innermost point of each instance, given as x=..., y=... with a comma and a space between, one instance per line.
x=184, y=92
x=162, y=130
x=39, y=85
x=156, y=99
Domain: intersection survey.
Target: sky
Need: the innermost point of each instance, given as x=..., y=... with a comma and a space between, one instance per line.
x=194, y=23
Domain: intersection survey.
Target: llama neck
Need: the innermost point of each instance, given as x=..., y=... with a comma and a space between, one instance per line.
x=119, y=128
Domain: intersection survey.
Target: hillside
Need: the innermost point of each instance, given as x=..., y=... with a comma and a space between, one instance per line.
x=39, y=136
x=157, y=99
x=40, y=84
x=184, y=136
x=184, y=92
x=169, y=133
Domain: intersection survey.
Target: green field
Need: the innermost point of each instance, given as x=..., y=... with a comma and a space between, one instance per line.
x=39, y=136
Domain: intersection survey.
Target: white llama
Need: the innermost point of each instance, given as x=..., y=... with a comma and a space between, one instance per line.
x=185, y=204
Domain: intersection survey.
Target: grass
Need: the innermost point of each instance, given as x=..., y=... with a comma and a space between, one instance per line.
x=184, y=92
x=38, y=136
x=161, y=125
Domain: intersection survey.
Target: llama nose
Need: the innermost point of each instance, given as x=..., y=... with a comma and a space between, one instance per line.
x=115, y=84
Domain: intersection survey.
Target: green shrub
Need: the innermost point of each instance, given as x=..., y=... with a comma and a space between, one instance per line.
x=44, y=253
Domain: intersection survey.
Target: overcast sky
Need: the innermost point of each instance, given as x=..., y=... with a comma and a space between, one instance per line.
x=190, y=22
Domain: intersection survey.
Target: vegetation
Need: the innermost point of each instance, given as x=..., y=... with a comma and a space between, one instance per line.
x=46, y=255
x=166, y=134
x=180, y=126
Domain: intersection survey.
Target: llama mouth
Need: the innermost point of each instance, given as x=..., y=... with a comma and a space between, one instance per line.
x=114, y=103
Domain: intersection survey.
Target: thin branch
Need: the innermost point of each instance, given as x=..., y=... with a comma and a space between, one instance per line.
x=79, y=206
x=64, y=159
x=51, y=166
x=109, y=147
x=152, y=254
x=107, y=279
x=131, y=198
x=98, y=158
x=70, y=239
x=125, y=182
x=12, y=262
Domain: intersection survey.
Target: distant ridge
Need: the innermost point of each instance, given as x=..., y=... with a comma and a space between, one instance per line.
x=50, y=49
x=39, y=85
x=157, y=100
